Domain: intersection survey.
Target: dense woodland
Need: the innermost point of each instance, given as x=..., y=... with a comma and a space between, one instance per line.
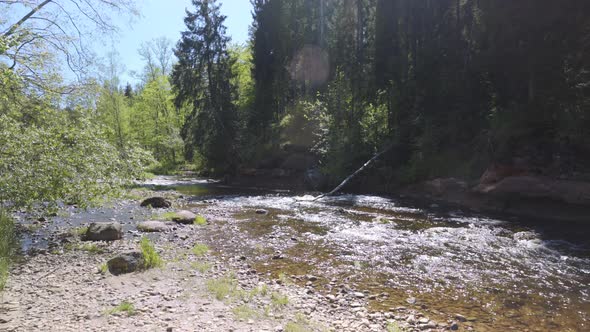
x=452, y=85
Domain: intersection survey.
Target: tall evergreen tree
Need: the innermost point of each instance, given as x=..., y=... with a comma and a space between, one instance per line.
x=202, y=79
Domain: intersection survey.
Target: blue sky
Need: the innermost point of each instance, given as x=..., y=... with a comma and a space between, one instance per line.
x=165, y=18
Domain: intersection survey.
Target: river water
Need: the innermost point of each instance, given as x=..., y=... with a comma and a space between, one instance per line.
x=498, y=274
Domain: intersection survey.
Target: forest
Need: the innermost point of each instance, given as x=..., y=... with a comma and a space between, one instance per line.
x=452, y=86
x=430, y=90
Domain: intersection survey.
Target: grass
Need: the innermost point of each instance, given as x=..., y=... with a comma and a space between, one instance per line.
x=80, y=231
x=103, y=268
x=279, y=300
x=222, y=288
x=393, y=327
x=200, y=249
x=8, y=245
x=296, y=327
x=200, y=221
x=88, y=247
x=202, y=267
x=125, y=307
x=301, y=324
x=151, y=258
x=245, y=312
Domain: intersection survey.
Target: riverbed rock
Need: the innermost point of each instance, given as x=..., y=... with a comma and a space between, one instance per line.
x=126, y=262
x=184, y=217
x=152, y=226
x=104, y=231
x=156, y=202
x=538, y=187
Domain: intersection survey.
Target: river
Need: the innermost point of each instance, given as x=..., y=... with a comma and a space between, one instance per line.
x=492, y=273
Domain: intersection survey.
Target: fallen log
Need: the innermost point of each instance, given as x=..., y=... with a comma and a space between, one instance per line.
x=351, y=176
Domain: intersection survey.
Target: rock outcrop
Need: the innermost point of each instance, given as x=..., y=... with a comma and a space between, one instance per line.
x=104, y=231
x=126, y=262
x=156, y=202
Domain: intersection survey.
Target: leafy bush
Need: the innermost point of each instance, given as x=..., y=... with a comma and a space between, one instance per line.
x=63, y=158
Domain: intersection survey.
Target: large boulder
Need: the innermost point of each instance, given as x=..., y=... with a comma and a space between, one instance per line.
x=184, y=217
x=539, y=187
x=156, y=202
x=126, y=262
x=104, y=231
x=152, y=226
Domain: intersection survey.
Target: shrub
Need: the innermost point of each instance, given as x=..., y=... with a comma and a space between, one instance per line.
x=151, y=258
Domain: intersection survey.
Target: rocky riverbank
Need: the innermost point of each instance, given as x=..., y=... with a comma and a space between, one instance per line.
x=65, y=286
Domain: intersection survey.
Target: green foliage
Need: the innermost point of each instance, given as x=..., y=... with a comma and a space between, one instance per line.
x=103, y=268
x=125, y=307
x=200, y=249
x=60, y=156
x=210, y=129
x=151, y=258
x=8, y=244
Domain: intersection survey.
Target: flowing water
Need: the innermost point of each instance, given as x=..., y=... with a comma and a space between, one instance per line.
x=498, y=274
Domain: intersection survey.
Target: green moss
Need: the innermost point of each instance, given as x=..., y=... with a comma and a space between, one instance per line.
x=200, y=221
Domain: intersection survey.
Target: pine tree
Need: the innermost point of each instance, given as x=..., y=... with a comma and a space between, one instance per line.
x=202, y=79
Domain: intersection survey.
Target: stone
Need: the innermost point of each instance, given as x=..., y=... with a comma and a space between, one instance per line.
x=156, y=202
x=126, y=262
x=104, y=231
x=152, y=226
x=184, y=217
x=358, y=295
x=261, y=211
x=538, y=187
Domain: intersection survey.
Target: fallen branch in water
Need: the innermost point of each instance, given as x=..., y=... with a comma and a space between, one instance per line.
x=350, y=177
